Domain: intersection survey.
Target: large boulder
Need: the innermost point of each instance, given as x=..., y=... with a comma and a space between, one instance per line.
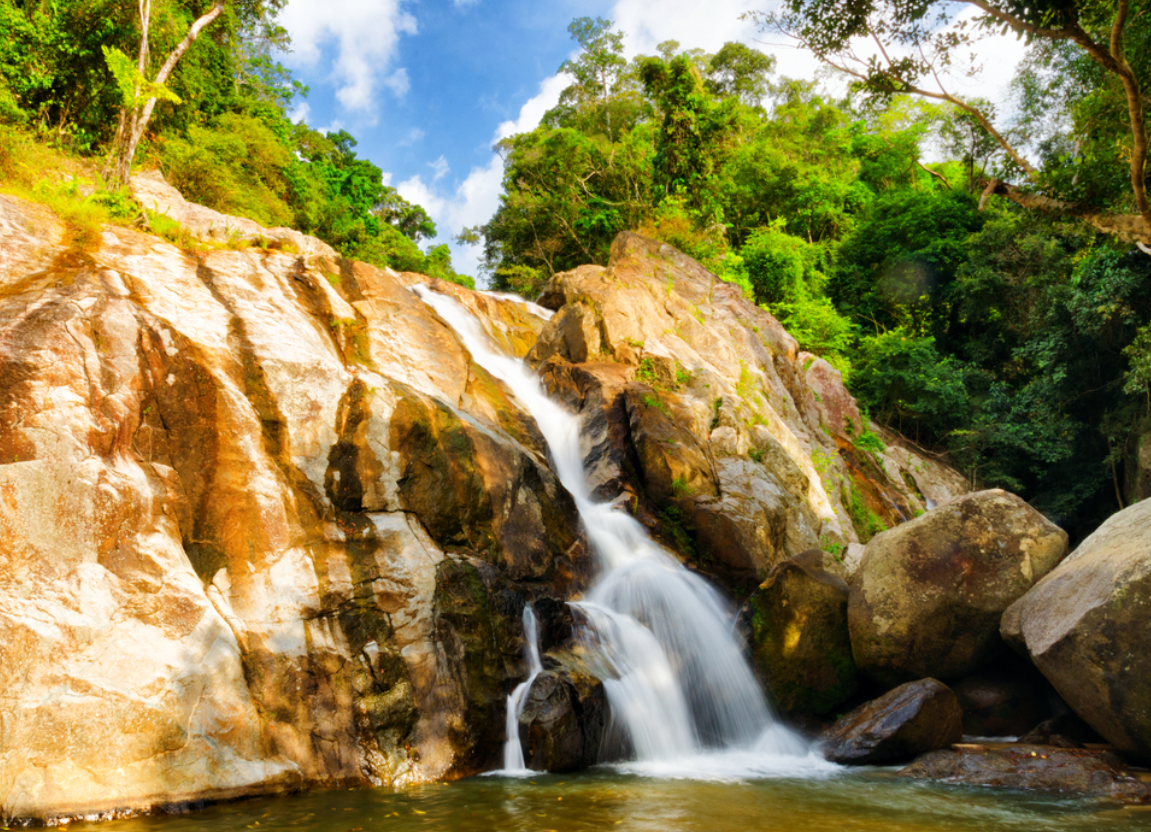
x=903, y=723
x=1083, y=626
x=562, y=721
x=799, y=636
x=1033, y=767
x=929, y=594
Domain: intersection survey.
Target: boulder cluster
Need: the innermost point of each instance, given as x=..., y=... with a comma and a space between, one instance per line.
x=970, y=621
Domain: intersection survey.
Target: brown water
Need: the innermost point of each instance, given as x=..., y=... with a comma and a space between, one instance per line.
x=606, y=800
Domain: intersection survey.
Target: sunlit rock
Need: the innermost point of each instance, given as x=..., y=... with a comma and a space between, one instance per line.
x=928, y=595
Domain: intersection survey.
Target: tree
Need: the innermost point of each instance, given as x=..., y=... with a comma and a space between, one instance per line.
x=918, y=43
x=140, y=94
x=692, y=133
x=740, y=71
x=597, y=70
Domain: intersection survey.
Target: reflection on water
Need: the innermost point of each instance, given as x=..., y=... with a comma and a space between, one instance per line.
x=605, y=799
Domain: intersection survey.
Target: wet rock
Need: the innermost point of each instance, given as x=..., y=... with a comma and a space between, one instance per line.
x=595, y=390
x=556, y=623
x=673, y=465
x=573, y=335
x=562, y=721
x=1032, y=767
x=1082, y=626
x=799, y=636
x=903, y=723
x=512, y=325
x=478, y=623
x=928, y=595
x=473, y=487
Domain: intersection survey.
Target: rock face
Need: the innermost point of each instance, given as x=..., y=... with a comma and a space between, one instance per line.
x=1034, y=767
x=702, y=415
x=263, y=524
x=1082, y=623
x=799, y=636
x=903, y=723
x=928, y=595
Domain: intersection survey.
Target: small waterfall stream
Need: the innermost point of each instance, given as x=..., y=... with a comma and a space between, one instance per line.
x=513, y=750
x=684, y=695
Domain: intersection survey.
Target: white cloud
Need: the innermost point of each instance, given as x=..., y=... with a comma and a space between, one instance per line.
x=463, y=4
x=364, y=33
x=441, y=168
x=414, y=135
x=535, y=107
x=399, y=82
x=695, y=25
x=300, y=113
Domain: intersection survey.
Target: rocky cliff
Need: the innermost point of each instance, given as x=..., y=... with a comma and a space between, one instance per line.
x=265, y=524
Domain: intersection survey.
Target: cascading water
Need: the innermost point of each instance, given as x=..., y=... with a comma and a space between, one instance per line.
x=683, y=693
x=513, y=751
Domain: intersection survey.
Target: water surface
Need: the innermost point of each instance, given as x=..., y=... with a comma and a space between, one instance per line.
x=606, y=799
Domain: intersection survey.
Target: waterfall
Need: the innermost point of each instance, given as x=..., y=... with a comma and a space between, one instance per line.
x=683, y=693
x=513, y=751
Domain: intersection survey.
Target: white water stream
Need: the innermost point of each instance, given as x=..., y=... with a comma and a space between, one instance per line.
x=684, y=695
x=513, y=750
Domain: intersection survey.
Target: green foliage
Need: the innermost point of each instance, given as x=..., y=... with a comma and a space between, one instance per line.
x=566, y=197
x=1137, y=380
x=521, y=279
x=866, y=522
x=694, y=124
x=740, y=71
x=819, y=328
x=65, y=73
x=236, y=166
x=645, y=372
x=135, y=88
x=897, y=267
x=904, y=380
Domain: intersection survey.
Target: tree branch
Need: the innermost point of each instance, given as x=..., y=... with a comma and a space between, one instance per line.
x=1114, y=61
x=902, y=86
x=1129, y=227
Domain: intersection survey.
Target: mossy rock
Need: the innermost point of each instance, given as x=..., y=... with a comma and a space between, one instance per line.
x=478, y=623
x=799, y=636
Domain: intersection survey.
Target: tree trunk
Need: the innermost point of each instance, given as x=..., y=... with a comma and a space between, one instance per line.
x=134, y=120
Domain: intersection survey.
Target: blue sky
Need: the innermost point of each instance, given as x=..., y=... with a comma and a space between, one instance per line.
x=428, y=86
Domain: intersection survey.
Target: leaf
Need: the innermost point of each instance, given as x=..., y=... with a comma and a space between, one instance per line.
x=135, y=89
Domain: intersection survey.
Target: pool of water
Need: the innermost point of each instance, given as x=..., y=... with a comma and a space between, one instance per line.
x=606, y=799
